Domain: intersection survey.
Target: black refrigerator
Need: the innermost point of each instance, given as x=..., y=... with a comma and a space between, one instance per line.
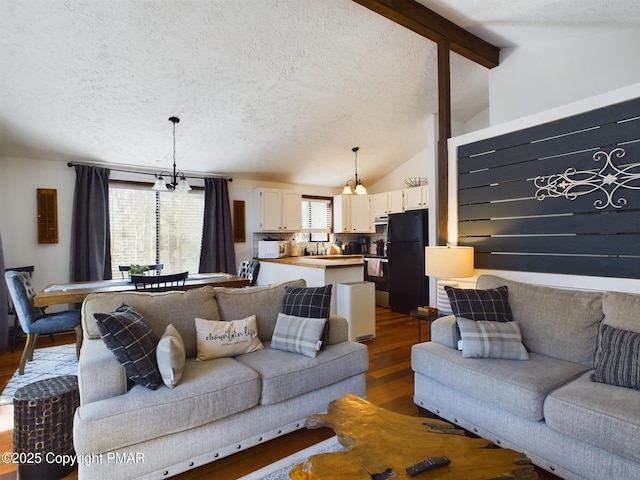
x=407, y=235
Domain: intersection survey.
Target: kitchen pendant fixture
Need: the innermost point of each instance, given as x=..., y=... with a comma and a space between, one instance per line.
x=178, y=181
x=357, y=184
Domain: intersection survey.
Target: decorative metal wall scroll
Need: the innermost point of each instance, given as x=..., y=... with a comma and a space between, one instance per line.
x=607, y=181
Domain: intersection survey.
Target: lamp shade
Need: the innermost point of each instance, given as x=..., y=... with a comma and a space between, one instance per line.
x=160, y=186
x=448, y=262
x=360, y=190
x=183, y=185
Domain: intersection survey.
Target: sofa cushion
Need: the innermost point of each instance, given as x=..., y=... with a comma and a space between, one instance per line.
x=265, y=302
x=158, y=309
x=490, y=305
x=217, y=339
x=520, y=390
x=133, y=343
x=621, y=310
x=312, y=302
x=171, y=356
x=554, y=322
x=286, y=375
x=298, y=335
x=203, y=396
x=491, y=340
x=598, y=414
x=618, y=358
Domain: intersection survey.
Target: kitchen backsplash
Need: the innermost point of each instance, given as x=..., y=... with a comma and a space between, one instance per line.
x=337, y=242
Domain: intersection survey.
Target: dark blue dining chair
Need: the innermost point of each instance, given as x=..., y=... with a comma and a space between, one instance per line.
x=160, y=283
x=249, y=269
x=156, y=268
x=12, y=311
x=34, y=321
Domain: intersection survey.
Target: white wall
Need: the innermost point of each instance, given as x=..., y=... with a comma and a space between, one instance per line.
x=479, y=121
x=542, y=76
x=414, y=167
x=418, y=166
x=21, y=179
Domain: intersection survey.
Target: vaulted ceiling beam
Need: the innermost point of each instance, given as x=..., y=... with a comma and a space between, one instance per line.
x=427, y=23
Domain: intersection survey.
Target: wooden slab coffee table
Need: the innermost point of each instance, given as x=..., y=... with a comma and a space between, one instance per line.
x=377, y=439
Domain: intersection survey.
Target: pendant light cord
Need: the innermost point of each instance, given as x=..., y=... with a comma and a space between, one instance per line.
x=355, y=150
x=174, y=178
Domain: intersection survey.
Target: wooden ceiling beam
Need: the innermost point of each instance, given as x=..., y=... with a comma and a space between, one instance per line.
x=427, y=23
x=444, y=133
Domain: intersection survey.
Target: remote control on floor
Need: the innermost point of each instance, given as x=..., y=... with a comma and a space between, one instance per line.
x=427, y=464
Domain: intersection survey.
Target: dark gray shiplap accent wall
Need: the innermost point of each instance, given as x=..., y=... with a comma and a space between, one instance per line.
x=560, y=197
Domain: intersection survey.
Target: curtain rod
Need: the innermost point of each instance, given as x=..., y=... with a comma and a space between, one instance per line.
x=71, y=164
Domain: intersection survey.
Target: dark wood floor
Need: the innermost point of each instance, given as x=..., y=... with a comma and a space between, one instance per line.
x=389, y=385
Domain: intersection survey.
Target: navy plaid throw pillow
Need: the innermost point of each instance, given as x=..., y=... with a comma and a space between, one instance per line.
x=313, y=302
x=489, y=305
x=133, y=343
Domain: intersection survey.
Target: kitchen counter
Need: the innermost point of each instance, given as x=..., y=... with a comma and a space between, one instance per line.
x=319, y=261
x=316, y=270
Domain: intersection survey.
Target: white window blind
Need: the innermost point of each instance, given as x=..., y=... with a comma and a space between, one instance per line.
x=149, y=227
x=316, y=218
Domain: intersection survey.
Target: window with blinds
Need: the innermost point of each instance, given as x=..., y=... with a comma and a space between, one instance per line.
x=150, y=227
x=316, y=219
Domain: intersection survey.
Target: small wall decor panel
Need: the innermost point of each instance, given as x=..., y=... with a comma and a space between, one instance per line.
x=239, y=230
x=47, y=215
x=560, y=197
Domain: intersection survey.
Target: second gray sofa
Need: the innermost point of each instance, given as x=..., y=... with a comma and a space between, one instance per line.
x=547, y=407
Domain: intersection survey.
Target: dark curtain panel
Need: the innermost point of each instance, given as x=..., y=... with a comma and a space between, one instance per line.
x=4, y=317
x=90, y=233
x=218, y=252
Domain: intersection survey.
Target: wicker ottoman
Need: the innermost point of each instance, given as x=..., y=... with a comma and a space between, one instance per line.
x=43, y=427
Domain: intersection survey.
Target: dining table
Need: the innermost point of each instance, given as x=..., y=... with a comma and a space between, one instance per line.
x=76, y=292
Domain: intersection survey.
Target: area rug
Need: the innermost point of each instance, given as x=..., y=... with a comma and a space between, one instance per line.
x=47, y=362
x=280, y=469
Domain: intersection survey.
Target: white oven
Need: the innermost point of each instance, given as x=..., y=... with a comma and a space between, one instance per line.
x=273, y=249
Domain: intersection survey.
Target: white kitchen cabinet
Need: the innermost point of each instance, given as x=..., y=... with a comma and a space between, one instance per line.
x=361, y=214
x=396, y=201
x=291, y=211
x=385, y=203
x=379, y=206
x=279, y=210
x=352, y=214
x=416, y=198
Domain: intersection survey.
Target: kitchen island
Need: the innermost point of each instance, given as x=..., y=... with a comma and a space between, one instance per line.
x=317, y=271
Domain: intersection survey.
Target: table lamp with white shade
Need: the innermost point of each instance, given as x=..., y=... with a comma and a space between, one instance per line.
x=445, y=263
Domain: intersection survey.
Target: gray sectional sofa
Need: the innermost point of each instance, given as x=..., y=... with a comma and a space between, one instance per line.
x=547, y=406
x=220, y=406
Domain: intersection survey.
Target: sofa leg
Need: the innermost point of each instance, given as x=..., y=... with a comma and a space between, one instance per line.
x=427, y=413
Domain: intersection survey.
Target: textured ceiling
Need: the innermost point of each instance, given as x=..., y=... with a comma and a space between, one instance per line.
x=278, y=90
